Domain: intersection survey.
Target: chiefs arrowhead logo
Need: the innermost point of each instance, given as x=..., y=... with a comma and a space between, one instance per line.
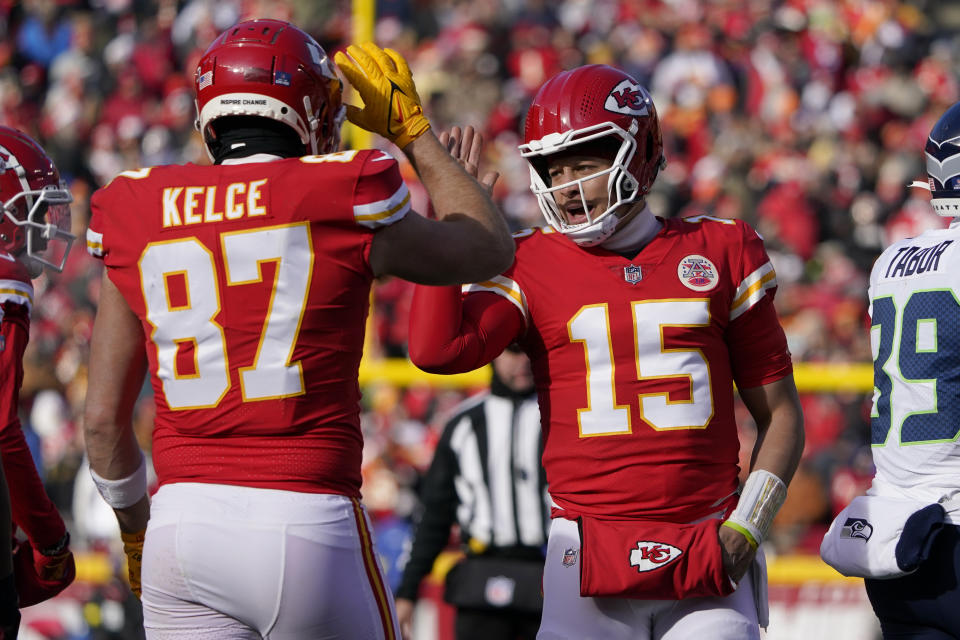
x=653, y=555
x=629, y=99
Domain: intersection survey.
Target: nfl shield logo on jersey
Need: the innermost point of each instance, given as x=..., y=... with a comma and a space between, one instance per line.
x=570, y=557
x=632, y=274
x=697, y=273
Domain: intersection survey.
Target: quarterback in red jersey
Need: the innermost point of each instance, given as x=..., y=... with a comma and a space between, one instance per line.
x=243, y=287
x=638, y=328
x=34, y=232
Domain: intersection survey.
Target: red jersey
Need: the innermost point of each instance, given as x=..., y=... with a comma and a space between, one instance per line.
x=635, y=362
x=252, y=283
x=31, y=508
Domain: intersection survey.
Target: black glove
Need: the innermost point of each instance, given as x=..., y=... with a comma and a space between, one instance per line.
x=9, y=609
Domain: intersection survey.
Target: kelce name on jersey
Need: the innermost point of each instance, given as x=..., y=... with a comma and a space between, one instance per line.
x=911, y=259
x=193, y=205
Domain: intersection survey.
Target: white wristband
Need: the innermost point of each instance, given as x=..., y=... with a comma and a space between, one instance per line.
x=763, y=495
x=124, y=492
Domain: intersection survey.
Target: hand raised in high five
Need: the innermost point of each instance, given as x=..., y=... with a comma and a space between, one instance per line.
x=466, y=146
x=391, y=105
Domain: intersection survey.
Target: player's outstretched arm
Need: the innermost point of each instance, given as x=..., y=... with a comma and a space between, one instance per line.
x=450, y=335
x=117, y=366
x=470, y=241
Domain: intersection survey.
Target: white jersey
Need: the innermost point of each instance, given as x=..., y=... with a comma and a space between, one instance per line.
x=915, y=338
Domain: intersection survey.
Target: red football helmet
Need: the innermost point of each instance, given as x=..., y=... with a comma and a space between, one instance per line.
x=271, y=69
x=36, y=204
x=589, y=104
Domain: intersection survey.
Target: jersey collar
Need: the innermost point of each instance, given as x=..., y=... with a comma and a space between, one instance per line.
x=257, y=157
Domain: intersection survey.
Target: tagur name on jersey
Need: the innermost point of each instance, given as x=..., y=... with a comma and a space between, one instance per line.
x=195, y=205
x=915, y=260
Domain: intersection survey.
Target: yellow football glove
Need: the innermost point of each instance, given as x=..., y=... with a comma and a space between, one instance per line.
x=133, y=547
x=391, y=106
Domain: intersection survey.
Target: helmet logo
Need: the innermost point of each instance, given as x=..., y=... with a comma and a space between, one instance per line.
x=943, y=170
x=629, y=99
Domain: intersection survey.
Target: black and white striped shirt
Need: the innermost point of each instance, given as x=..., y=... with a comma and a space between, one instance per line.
x=486, y=476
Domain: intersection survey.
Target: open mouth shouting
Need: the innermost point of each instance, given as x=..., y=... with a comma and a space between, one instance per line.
x=575, y=212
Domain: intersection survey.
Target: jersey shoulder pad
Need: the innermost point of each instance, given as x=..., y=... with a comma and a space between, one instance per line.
x=15, y=284
x=380, y=197
x=341, y=165
x=759, y=278
x=711, y=225
x=533, y=234
x=118, y=196
x=130, y=174
x=122, y=184
x=351, y=157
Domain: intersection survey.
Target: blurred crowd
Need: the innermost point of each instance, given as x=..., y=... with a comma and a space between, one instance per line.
x=806, y=118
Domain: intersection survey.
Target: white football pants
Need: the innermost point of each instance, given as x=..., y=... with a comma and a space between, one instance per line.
x=236, y=563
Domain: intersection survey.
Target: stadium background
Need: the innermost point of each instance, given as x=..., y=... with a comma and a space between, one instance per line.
x=804, y=117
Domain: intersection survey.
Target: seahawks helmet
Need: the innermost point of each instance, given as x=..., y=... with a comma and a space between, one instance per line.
x=943, y=163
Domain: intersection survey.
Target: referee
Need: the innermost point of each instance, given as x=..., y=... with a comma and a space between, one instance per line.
x=486, y=477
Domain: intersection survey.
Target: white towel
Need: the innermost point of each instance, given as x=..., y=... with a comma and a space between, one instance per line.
x=862, y=539
x=758, y=574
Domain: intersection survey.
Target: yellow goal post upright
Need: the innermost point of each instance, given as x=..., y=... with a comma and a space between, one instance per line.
x=363, y=21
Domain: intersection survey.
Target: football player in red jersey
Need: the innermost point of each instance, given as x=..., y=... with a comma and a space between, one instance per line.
x=243, y=288
x=34, y=232
x=638, y=328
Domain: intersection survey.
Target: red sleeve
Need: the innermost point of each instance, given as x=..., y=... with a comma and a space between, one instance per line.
x=95, y=229
x=758, y=347
x=379, y=179
x=380, y=196
x=756, y=341
x=451, y=335
x=31, y=508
